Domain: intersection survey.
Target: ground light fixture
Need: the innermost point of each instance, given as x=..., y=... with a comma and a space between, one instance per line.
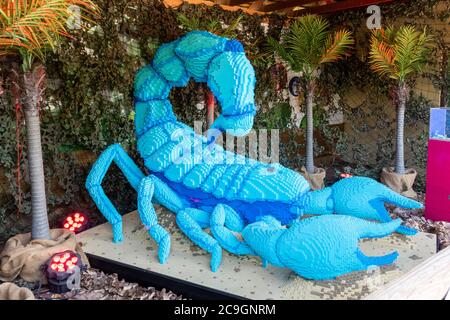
x=63, y=271
x=75, y=222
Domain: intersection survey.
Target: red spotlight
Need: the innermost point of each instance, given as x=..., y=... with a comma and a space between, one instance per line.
x=75, y=222
x=59, y=268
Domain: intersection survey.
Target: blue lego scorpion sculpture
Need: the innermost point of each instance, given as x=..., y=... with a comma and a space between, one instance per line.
x=209, y=187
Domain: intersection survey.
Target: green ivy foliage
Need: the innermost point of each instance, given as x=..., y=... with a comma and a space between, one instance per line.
x=89, y=104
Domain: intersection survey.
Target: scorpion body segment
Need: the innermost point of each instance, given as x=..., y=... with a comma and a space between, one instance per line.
x=209, y=187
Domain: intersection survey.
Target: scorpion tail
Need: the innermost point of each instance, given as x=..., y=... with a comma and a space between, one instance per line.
x=222, y=64
x=218, y=61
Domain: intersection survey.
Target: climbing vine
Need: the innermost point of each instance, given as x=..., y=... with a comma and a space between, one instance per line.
x=89, y=104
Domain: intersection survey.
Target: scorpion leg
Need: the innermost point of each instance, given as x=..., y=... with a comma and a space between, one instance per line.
x=201, y=217
x=93, y=184
x=224, y=219
x=191, y=221
x=149, y=218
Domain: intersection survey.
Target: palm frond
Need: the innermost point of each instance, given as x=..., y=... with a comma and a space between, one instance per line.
x=230, y=31
x=37, y=25
x=399, y=53
x=337, y=46
x=213, y=26
x=190, y=24
x=309, y=43
x=412, y=48
x=381, y=58
x=386, y=35
x=306, y=39
x=284, y=54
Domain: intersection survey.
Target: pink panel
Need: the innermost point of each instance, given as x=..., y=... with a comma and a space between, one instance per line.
x=437, y=200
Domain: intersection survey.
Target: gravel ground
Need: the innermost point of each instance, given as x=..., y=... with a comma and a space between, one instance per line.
x=96, y=285
x=417, y=220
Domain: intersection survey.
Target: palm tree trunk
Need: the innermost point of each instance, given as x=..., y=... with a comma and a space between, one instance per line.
x=400, y=156
x=32, y=90
x=309, y=93
x=210, y=104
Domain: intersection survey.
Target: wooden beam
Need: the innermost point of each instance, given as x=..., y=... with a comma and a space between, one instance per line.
x=340, y=6
x=430, y=280
x=233, y=2
x=280, y=5
x=257, y=5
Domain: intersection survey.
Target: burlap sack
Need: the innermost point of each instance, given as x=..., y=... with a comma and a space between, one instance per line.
x=401, y=183
x=24, y=257
x=316, y=179
x=10, y=291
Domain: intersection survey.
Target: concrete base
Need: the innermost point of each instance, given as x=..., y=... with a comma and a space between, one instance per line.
x=243, y=275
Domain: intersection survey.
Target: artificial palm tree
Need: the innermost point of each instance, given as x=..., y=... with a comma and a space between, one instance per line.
x=398, y=54
x=28, y=29
x=213, y=26
x=306, y=47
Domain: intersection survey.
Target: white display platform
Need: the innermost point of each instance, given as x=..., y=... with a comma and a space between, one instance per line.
x=243, y=275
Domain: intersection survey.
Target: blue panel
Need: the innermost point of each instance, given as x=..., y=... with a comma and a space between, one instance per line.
x=440, y=123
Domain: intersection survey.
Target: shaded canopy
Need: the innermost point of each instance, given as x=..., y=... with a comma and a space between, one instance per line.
x=289, y=7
